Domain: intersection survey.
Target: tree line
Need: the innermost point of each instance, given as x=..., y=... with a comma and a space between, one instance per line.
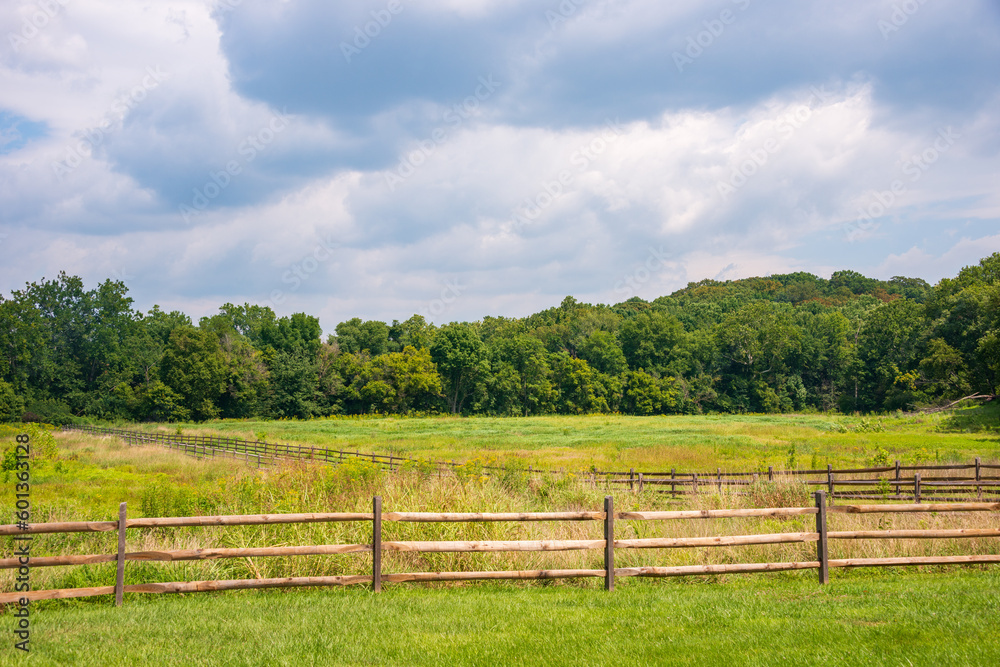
x=774, y=344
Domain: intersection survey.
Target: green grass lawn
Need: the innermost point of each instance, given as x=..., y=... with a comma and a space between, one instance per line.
x=616, y=442
x=860, y=618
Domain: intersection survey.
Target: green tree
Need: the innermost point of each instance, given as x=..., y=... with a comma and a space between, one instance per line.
x=355, y=336
x=756, y=342
x=414, y=332
x=520, y=379
x=643, y=394
x=601, y=350
x=194, y=368
x=655, y=342
x=11, y=405
x=580, y=389
x=888, y=349
x=462, y=362
x=396, y=381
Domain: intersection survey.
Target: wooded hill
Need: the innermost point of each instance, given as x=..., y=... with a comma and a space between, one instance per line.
x=774, y=344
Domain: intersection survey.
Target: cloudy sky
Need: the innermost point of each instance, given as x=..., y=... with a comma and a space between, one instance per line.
x=462, y=158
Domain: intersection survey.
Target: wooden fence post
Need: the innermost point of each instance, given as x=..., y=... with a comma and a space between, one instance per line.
x=673, y=488
x=770, y=473
x=822, y=552
x=120, y=576
x=916, y=487
x=377, y=544
x=979, y=489
x=631, y=479
x=609, y=543
x=829, y=480
x=640, y=482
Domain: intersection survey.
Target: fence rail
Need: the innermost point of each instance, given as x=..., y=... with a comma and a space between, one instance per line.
x=890, y=482
x=377, y=547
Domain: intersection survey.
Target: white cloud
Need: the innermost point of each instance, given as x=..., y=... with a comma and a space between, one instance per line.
x=518, y=206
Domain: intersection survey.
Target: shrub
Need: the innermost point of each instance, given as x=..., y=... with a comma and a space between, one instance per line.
x=11, y=405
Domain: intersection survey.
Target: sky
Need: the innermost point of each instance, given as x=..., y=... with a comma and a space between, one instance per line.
x=465, y=158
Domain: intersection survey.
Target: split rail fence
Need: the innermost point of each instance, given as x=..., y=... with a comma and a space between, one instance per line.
x=377, y=547
x=940, y=483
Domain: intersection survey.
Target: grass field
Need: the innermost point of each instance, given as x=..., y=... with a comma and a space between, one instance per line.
x=615, y=442
x=892, y=617
x=944, y=618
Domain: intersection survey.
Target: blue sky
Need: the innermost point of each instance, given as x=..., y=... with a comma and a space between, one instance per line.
x=465, y=158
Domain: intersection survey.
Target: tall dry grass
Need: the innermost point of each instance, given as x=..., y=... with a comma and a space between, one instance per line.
x=177, y=485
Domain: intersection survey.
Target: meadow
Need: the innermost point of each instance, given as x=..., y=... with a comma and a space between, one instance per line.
x=618, y=442
x=930, y=614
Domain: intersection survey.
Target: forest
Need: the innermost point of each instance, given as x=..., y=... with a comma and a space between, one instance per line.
x=780, y=343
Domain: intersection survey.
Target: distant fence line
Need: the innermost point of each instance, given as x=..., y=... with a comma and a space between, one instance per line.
x=891, y=482
x=376, y=546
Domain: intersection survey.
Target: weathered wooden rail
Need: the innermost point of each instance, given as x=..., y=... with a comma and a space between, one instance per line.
x=890, y=482
x=377, y=547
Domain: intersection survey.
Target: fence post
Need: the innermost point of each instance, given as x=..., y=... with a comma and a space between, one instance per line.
x=673, y=489
x=609, y=543
x=377, y=544
x=916, y=487
x=120, y=576
x=631, y=479
x=770, y=473
x=979, y=489
x=829, y=480
x=718, y=474
x=822, y=552
x=640, y=482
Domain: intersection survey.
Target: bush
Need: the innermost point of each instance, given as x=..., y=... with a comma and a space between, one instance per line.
x=42, y=446
x=11, y=405
x=48, y=412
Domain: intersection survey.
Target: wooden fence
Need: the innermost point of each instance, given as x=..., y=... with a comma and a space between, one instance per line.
x=377, y=547
x=261, y=454
x=941, y=483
